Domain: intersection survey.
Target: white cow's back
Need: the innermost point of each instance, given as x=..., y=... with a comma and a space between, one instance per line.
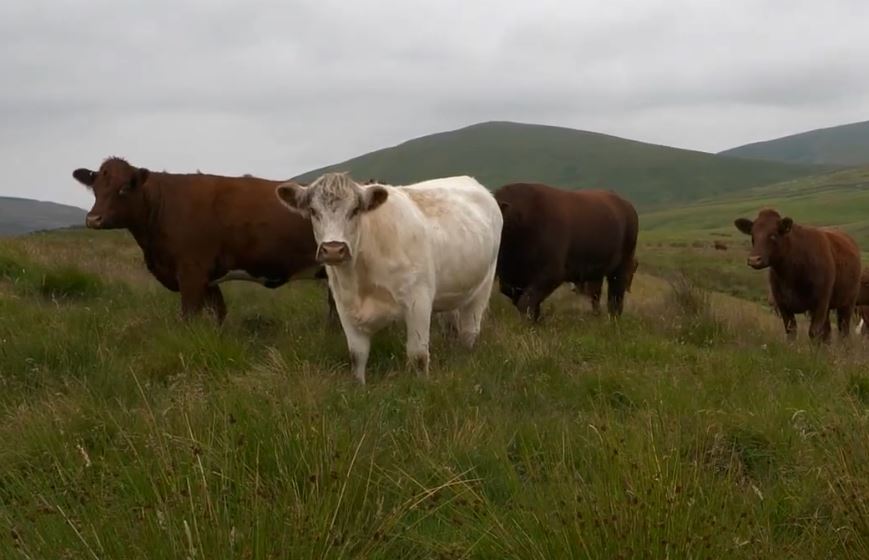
x=446, y=230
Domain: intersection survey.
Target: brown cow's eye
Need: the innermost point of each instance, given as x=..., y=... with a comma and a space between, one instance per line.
x=773, y=237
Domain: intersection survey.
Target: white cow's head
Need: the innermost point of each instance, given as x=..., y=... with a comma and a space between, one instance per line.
x=334, y=202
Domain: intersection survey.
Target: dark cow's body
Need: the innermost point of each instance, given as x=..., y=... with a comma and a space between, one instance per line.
x=552, y=236
x=196, y=230
x=811, y=270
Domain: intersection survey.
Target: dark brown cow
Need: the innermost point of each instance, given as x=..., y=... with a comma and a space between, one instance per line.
x=198, y=230
x=552, y=236
x=593, y=290
x=811, y=270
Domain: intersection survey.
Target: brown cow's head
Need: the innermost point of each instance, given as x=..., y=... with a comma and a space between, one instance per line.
x=334, y=203
x=769, y=237
x=117, y=187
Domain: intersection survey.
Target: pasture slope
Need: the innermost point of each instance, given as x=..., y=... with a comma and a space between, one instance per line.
x=689, y=429
x=682, y=238
x=844, y=145
x=497, y=153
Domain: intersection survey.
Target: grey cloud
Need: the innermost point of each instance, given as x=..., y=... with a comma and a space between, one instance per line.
x=276, y=88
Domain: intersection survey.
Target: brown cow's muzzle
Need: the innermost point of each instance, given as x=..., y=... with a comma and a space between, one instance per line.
x=333, y=252
x=756, y=262
x=94, y=221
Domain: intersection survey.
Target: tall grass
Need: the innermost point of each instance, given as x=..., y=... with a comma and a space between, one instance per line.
x=688, y=429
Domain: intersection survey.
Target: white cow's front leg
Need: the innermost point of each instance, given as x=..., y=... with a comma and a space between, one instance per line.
x=358, y=343
x=418, y=321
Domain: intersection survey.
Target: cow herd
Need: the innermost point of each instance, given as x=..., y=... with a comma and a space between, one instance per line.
x=406, y=253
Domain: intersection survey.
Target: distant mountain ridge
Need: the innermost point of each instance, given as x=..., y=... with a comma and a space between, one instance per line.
x=501, y=152
x=24, y=215
x=846, y=145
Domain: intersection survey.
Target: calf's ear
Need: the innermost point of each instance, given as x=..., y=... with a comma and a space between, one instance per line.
x=743, y=225
x=785, y=225
x=294, y=197
x=372, y=197
x=85, y=176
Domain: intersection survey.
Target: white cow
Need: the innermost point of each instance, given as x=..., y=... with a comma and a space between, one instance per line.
x=403, y=253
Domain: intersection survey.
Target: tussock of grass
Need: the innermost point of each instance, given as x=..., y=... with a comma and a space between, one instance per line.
x=689, y=428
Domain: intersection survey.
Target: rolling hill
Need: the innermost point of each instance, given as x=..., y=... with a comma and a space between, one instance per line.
x=839, y=198
x=497, y=153
x=845, y=145
x=23, y=215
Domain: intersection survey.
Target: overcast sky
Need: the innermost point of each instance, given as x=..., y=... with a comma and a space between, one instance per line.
x=276, y=88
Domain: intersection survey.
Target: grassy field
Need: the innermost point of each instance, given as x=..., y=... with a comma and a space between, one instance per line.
x=687, y=429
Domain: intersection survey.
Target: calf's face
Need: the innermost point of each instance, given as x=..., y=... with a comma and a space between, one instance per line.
x=117, y=188
x=768, y=237
x=334, y=203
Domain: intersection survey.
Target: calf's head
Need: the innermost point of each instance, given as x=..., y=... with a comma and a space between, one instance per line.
x=117, y=187
x=769, y=237
x=334, y=203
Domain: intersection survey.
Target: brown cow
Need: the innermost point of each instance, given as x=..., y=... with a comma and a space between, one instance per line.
x=198, y=230
x=552, y=236
x=811, y=270
x=592, y=290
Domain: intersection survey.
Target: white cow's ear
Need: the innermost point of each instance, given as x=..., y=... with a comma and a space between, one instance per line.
x=294, y=196
x=372, y=197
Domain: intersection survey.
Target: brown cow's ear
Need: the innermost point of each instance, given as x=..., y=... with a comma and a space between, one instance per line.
x=372, y=197
x=139, y=177
x=293, y=196
x=85, y=176
x=785, y=225
x=744, y=225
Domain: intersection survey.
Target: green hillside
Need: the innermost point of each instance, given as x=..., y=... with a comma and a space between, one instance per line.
x=846, y=145
x=22, y=215
x=840, y=198
x=681, y=241
x=497, y=153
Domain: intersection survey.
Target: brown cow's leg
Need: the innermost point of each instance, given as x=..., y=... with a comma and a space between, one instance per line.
x=193, y=286
x=593, y=289
x=615, y=293
x=214, y=301
x=529, y=303
x=790, y=323
x=820, y=326
x=843, y=321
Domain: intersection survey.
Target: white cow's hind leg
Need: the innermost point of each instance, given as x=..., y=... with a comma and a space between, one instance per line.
x=471, y=315
x=418, y=321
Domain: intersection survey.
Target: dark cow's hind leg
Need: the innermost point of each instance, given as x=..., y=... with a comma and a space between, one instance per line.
x=843, y=321
x=596, y=290
x=214, y=302
x=616, y=286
